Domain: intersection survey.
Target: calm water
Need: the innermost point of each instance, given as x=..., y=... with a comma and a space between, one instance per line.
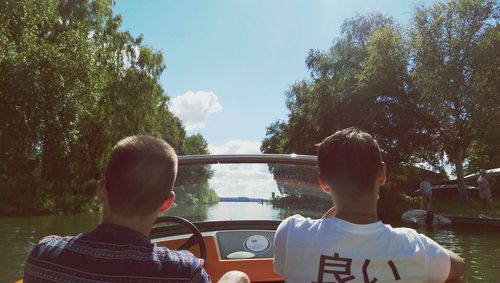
x=479, y=247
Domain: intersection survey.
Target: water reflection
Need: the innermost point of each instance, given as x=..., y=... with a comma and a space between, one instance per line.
x=479, y=247
x=238, y=211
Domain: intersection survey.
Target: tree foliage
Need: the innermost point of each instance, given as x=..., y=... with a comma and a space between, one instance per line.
x=425, y=91
x=71, y=85
x=192, y=185
x=362, y=81
x=455, y=56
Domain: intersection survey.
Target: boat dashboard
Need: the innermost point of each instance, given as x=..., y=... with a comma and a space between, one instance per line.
x=244, y=245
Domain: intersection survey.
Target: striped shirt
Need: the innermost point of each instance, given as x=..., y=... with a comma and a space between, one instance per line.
x=110, y=253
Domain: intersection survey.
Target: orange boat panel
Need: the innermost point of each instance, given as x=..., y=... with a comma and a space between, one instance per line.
x=258, y=269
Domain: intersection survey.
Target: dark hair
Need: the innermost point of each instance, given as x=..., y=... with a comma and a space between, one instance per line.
x=349, y=161
x=140, y=174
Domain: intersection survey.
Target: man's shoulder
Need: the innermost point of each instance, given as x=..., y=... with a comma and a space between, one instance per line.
x=406, y=237
x=53, y=238
x=404, y=232
x=50, y=243
x=297, y=221
x=56, y=239
x=63, y=254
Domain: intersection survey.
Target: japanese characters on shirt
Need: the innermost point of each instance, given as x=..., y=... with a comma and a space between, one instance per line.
x=340, y=268
x=332, y=250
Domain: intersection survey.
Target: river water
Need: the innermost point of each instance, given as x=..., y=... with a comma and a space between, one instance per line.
x=479, y=247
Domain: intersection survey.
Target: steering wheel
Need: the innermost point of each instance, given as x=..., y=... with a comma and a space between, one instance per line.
x=196, y=238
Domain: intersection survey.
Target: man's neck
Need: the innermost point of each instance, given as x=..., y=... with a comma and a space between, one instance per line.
x=142, y=225
x=360, y=211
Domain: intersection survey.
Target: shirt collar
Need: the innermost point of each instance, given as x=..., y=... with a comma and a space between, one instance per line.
x=357, y=228
x=108, y=232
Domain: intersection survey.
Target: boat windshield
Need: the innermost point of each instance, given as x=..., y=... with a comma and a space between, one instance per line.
x=247, y=191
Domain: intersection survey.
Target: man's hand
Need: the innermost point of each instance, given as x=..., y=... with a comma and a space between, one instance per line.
x=330, y=213
x=234, y=276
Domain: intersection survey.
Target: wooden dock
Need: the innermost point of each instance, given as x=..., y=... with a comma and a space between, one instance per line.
x=473, y=220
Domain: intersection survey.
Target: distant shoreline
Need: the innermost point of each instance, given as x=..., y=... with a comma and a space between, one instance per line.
x=242, y=199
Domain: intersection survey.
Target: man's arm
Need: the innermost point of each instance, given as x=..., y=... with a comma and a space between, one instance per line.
x=197, y=272
x=457, y=266
x=442, y=264
x=280, y=245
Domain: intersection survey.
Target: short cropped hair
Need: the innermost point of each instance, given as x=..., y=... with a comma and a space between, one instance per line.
x=139, y=175
x=349, y=161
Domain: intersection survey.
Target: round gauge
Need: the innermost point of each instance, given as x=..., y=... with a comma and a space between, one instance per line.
x=257, y=243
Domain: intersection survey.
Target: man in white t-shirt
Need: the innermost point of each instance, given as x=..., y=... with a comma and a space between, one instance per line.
x=426, y=190
x=350, y=243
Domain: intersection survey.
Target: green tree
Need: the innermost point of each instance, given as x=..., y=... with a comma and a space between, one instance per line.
x=71, y=85
x=362, y=81
x=195, y=144
x=454, y=63
x=192, y=186
x=483, y=153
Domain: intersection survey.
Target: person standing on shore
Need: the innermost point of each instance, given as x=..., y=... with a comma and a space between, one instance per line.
x=426, y=190
x=485, y=183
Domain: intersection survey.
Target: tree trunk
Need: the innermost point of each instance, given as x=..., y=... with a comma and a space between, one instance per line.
x=459, y=167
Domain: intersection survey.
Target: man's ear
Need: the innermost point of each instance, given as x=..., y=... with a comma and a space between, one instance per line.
x=324, y=186
x=102, y=194
x=168, y=202
x=382, y=174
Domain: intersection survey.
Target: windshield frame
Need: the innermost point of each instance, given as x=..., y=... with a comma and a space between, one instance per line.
x=295, y=159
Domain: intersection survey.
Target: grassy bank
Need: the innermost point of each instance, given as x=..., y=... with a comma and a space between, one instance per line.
x=473, y=207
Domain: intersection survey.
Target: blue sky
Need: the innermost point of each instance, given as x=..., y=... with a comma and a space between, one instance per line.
x=229, y=63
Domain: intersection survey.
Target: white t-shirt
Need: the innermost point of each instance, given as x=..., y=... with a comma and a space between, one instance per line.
x=426, y=187
x=334, y=250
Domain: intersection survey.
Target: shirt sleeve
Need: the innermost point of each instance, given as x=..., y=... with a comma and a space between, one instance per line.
x=200, y=275
x=204, y=278
x=438, y=260
x=280, y=244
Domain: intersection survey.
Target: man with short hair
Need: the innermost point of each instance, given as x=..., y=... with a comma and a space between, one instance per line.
x=350, y=242
x=137, y=186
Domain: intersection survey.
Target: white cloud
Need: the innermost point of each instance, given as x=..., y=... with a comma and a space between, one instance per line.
x=248, y=180
x=194, y=108
x=236, y=146
x=235, y=180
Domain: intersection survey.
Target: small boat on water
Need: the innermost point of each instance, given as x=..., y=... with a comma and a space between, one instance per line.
x=420, y=217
